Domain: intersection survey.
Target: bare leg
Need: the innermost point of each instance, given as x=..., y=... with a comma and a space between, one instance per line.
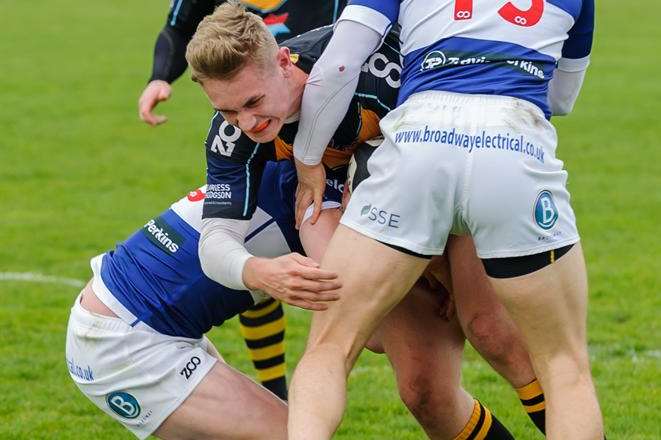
x=218, y=407
x=428, y=375
x=425, y=352
x=315, y=237
x=550, y=308
x=337, y=335
x=485, y=322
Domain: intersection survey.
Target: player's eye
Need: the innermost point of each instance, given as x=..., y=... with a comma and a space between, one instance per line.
x=254, y=102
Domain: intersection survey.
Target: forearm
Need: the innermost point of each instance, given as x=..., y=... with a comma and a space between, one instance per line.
x=169, y=55
x=566, y=85
x=222, y=252
x=330, y=88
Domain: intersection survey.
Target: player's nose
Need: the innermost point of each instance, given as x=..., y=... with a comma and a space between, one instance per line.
x=246, y=120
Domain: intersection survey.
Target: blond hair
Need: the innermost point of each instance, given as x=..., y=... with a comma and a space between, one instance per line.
x=226, y=41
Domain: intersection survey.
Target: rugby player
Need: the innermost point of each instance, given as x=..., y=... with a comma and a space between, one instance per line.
x=284, y=19
x=135, y=340
x=257, y=88
x=472, y=70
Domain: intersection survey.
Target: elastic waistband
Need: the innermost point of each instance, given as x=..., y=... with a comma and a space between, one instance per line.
x=452, y=98
x=106, y=297
x=82, y=316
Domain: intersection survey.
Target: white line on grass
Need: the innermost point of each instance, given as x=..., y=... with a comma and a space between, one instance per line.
x=31, y=277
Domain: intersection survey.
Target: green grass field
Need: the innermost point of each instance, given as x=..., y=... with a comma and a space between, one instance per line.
x=78, y=172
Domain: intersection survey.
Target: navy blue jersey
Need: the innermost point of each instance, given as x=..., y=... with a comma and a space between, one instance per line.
x=284, y=18
x=156, y=275
x=237, y=162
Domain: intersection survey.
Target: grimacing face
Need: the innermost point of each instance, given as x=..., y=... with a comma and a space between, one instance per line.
x=258, y=99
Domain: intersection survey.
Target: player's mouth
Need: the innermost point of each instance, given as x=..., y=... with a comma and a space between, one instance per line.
x=261, y=126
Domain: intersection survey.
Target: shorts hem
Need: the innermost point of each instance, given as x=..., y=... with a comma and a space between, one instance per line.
x=164, y=414
x=530, y=251
x=421, y=250
x=328, y=204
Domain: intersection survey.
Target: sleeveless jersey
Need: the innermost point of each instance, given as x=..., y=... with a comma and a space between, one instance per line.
x=156, y=275
x=493, y=47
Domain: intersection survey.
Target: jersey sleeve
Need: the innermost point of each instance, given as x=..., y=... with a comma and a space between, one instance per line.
x=170, y=48
x=330, y=88
x=235, y=165
x=577, y=47
x=185, y=15
x=379, y=15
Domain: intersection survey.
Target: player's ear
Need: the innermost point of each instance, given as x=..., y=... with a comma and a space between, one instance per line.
x=284, y=58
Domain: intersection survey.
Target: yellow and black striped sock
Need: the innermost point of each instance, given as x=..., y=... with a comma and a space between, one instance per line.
x=532, y=399
x=483, y=425
x=263, y=328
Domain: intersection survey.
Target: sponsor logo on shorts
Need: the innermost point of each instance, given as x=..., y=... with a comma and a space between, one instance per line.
x=80, y=372
x=190, y=367
x=163, y=235
x=483, y=140
x=546, y=213
x=380, y=216
x=123, y=404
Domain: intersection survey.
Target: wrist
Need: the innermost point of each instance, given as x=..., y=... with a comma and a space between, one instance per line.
x=251, y=271
x=153, y=81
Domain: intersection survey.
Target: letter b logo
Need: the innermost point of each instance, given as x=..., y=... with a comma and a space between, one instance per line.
x=123, y=404
x=546, y=213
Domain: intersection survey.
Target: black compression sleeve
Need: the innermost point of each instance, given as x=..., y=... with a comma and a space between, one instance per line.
x=170, y=49
x=169, y=55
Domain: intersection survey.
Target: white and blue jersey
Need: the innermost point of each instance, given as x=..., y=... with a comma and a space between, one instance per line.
x=484, y=46
x=156, y=275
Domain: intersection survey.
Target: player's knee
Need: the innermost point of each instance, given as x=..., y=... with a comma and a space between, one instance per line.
x=423, y=394
x=490, y=337
x=568, y=367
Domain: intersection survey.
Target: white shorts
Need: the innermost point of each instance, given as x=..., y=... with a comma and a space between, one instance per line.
x=134, y=374
x=465, y=164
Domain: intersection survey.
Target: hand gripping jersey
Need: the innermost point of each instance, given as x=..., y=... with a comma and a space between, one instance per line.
x=235, y=163
x=492, y=47
x=284, y=18
x=156, y=275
